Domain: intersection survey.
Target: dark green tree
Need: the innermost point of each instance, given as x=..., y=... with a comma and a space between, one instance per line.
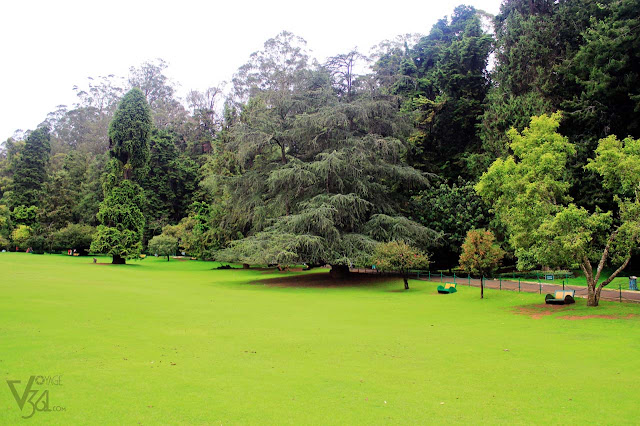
x=323, y=173
x=122, y=221
x=169, y=184
x=30, y=172
x=448, y=71
x=129, y=134
x=452, y=210
x=73, y=236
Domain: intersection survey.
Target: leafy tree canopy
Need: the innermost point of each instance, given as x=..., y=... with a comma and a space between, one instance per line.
x=529, y=195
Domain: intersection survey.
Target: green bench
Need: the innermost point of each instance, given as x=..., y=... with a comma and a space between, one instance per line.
x=447, y=289
x=561, y=297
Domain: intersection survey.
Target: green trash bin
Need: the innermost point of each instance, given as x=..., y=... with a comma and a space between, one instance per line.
x=633, y=283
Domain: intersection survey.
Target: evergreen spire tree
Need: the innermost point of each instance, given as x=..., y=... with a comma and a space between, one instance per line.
x=120, y=215
x=30, y=173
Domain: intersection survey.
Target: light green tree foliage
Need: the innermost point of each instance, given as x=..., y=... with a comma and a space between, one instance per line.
x=398, y=256
x=323, y=164
x=198, y=234
x=20, y=236
x=25, y=215
x=120, y=215
x=163, y=245
x=527, y=188
x=528, y=193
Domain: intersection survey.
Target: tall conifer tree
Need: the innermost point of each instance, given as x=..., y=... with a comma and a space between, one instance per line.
x=120, y=215
x=30, y=172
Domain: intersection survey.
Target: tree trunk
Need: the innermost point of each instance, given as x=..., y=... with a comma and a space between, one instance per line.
x=594, y=290
x=481, y=287
x=406, y=283
x=167, y=258
x=117, y=260
x=593, y=297
x=339, y=271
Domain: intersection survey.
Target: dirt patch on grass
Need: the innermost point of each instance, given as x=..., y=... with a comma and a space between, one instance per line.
x=322, y=280
x=539, y=311
x=542, y=310
x=583, y=317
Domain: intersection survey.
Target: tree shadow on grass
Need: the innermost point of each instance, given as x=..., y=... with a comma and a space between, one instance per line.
x=116, y=264
x=324, y=280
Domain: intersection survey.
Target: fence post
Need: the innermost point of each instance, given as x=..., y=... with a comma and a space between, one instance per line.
x=500, y=283
x=469, y=278
x=429, y=274
x=440, y=276
x=418, y=277
x=620, y=289
x=518, y=284
x=454, y=277
x=540, y=286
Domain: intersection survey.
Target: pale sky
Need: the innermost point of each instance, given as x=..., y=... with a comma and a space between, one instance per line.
x=49, y=46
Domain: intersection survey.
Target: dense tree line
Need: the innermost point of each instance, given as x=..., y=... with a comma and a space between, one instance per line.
x=301, y=161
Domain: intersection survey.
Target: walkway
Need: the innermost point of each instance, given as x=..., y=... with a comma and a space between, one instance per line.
x=608, y=293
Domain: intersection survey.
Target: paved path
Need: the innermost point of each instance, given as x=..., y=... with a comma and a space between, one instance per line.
x=529, y=287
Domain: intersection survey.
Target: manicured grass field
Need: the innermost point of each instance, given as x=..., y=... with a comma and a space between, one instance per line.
x=159, y=342
x=618, y=282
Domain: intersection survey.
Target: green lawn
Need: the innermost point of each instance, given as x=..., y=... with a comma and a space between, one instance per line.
x=579, y=280
x=159, y=342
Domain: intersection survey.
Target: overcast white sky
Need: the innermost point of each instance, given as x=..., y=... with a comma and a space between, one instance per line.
x=49, y=46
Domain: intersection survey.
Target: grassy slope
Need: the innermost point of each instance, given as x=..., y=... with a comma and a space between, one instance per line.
x=248, y=353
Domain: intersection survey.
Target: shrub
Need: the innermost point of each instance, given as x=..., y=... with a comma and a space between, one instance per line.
x=74, y=236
